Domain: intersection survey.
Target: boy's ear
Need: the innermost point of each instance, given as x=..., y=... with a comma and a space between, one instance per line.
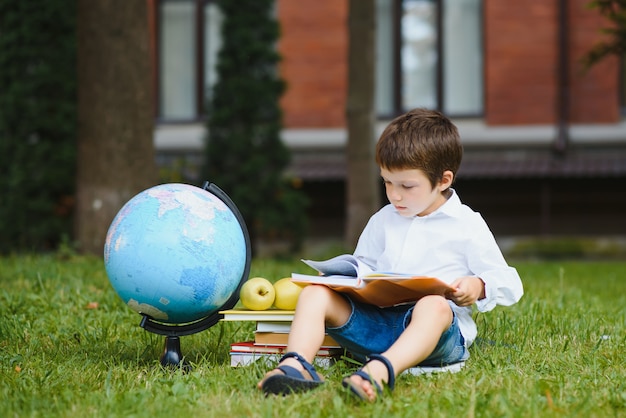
x=446, y=180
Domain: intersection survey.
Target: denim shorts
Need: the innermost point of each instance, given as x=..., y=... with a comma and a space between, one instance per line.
x=371, y=329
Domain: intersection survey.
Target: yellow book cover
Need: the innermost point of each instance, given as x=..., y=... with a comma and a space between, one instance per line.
x=273, y=315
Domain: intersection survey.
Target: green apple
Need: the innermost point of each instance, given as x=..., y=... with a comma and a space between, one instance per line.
x=287, y=293
x=257, y=294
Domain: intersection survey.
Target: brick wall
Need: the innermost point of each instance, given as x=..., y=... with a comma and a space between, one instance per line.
x=595, y=95
x=314, y=48
x=520, y=61
x=521, y=64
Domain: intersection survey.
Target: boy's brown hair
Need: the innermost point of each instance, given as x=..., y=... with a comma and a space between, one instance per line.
x=420, y=139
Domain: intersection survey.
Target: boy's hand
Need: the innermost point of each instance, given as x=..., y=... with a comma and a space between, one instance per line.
x=468, y=290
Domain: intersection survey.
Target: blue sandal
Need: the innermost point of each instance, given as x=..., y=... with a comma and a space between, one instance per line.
x=357, y=390
x=287, y=379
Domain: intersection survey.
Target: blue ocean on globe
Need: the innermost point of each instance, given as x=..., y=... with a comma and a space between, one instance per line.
x=176, y=253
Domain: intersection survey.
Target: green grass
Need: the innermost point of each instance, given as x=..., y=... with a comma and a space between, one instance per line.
x=559, y=352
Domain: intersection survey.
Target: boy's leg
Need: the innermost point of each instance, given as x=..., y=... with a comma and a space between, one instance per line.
x=317, y=306
x=431, y=317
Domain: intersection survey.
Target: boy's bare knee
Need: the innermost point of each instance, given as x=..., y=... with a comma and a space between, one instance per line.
x=321, y=298
x=435, y=305
x=316, y=292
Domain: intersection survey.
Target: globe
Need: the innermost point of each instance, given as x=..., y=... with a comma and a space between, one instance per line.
x=175, y=253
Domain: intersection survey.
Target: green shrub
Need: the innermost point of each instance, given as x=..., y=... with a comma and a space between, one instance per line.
x=37, y=123
x=557, y=248
x=245, y=155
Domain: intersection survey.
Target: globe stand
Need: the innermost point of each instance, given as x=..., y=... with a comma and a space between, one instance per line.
x=172, y=356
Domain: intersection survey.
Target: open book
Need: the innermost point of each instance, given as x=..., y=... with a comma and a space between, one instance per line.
x=347, y=274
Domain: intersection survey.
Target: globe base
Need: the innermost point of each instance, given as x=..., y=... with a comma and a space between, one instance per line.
x=172, y=357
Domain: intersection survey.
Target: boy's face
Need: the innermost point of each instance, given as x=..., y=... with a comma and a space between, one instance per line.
x=411, y=193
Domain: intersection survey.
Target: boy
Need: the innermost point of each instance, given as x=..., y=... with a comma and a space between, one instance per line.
x=426, y=230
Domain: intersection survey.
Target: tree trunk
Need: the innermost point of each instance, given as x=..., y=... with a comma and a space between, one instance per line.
x=115, y=114
x=363, y=197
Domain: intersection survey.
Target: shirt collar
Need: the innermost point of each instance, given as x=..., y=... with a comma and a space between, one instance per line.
x=451, y=207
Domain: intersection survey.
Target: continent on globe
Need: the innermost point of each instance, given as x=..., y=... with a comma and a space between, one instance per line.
x=175, y=253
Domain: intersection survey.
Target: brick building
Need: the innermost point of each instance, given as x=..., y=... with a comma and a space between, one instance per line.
x=545, y=141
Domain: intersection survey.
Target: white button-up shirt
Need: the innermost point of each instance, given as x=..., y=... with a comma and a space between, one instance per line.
x=451, y=242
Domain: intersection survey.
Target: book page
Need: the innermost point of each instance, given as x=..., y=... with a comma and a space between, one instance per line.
x=380, y=275
x=332, y=280
x=343, y=265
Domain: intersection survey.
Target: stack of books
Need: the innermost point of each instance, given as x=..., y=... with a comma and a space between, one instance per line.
x=270, y=338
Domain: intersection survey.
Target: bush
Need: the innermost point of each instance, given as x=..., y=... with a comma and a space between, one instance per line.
x=560, y=248
x=37, y=123
x=245, y=155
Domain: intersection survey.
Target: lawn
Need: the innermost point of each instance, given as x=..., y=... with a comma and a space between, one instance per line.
x=69, y=347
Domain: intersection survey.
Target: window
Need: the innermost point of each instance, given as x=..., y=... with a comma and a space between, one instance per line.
x=188, y=42
x=622, y=84
x=429, y=55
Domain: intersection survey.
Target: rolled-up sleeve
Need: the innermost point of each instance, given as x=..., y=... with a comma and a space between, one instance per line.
x=503, y=285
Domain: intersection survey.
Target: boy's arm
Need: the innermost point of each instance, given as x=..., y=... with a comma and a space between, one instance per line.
x=502, y=284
